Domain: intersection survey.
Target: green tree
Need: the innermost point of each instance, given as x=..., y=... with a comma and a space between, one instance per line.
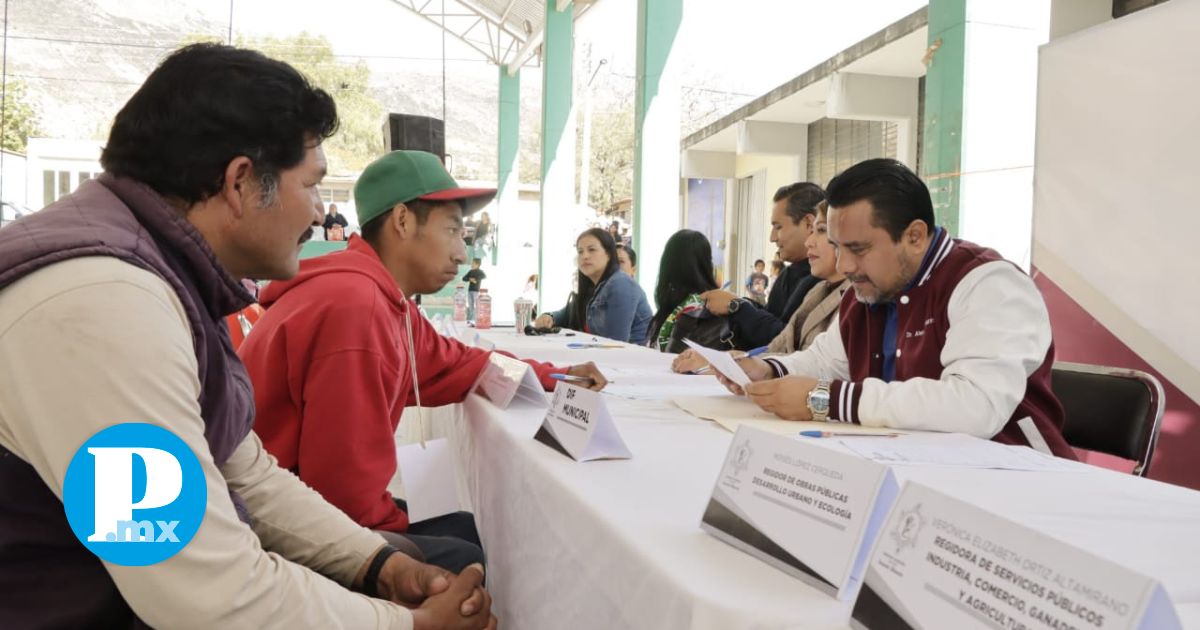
x=20, y=118
x=360, y=137
x=612, y=157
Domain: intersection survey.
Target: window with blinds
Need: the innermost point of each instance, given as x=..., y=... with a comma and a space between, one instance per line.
x=835, y=145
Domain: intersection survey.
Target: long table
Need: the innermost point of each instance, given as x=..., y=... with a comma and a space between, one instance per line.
x=617, y=544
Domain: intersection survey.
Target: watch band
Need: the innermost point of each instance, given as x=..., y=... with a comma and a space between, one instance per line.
x=370, y=586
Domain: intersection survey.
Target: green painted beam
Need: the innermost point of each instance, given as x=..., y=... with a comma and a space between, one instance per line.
x=509, y=133
x=941, y=162
x=656, y=136
x=557, y=245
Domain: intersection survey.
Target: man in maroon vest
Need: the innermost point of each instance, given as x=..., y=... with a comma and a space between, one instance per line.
x=941, y=334
x=112, y=310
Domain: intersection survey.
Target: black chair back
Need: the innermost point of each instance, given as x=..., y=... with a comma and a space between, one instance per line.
x=1110, y=410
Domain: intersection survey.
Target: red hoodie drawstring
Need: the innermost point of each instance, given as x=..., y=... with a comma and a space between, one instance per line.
x=412, y=361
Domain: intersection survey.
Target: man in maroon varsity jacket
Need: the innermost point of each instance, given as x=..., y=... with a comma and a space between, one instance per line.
x=941, y=334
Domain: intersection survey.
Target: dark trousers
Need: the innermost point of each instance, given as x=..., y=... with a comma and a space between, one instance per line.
x=450, y=542
x=472, y=299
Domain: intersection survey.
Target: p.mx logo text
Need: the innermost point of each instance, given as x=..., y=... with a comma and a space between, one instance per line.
x=134, y=483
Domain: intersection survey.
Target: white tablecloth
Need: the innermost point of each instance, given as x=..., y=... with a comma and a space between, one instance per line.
x=617, y=544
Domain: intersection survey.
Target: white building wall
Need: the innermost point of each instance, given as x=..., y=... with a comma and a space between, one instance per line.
x=56, y=167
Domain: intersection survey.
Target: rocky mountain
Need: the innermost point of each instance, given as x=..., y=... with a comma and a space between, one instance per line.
x=82, y=59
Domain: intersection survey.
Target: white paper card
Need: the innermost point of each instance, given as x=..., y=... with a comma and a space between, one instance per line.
x=578, y=424
x=958, y=449
x=943, y=563
x=721, y=362
x=810, y=511
x=430, y=479
x=471, y=337
x=449, y=328
x=508, y=382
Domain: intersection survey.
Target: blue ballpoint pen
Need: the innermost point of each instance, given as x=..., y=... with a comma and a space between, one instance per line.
x=825, y=434
x=586, y=381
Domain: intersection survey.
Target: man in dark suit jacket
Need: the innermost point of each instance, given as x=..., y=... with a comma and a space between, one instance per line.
x=792, y=219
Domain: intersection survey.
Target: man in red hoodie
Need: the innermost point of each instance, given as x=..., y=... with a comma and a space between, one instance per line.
x=330, y=359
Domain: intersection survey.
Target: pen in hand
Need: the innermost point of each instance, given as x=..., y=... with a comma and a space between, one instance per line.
x=586, y=381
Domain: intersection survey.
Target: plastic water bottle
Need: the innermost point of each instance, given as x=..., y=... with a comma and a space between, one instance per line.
x=460, y=303
x=483, y=310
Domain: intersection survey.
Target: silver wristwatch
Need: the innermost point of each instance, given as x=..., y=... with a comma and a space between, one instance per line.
x=818, y=401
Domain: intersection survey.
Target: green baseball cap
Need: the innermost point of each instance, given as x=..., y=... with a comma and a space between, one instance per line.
x=402, y=176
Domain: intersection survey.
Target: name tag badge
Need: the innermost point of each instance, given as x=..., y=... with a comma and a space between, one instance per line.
x=944, y=563
x=579, y=426
x=508, y=382
x=810, y=511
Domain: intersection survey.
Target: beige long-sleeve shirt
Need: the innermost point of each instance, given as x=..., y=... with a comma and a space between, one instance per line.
x=92, y=342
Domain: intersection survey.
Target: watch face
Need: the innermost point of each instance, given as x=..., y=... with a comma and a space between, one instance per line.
x=818, y=401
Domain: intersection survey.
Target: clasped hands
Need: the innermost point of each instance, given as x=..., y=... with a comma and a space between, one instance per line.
x=439, y=599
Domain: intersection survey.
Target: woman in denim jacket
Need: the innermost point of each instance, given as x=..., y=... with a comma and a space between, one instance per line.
x=609, y=303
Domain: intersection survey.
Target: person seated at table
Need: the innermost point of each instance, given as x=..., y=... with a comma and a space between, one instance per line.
x=820, y=306
x=816, y=312
x=628, y=260
x=944, y=335
x=685, y=272
x=791, y=224
x=609, y=303
x=112, y=309
x=332, y=359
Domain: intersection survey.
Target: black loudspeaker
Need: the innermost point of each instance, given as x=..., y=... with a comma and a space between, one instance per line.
x=420, y=133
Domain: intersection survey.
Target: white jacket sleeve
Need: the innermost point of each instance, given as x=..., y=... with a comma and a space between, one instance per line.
x=93, y=342
x=999, y=334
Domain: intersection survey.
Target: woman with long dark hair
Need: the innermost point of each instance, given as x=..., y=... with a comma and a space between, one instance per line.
x=685, y=272
x=608, y=303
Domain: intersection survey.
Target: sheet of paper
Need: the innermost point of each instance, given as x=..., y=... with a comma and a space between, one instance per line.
x=731, y=412
x=507, y=382
x=956, y=449
x=659, y=385
x=721, y=362
x=723, y=407
x=429, y=477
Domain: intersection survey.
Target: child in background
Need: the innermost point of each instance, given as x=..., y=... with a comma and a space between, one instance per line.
x=474, y=279
x=756, y=283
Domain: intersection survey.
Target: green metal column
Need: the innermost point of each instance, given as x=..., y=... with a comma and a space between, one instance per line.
x=656, y=197
x=510, y=135
x=557, y=241
x=506, y=154
x=945, y=99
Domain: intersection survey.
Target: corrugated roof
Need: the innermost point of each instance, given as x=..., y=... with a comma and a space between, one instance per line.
x=506, y=32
